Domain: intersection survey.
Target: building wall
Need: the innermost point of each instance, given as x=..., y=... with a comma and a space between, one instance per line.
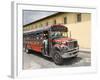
x=79, y=30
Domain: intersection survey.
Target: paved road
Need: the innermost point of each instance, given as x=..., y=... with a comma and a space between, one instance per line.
x=36, y=61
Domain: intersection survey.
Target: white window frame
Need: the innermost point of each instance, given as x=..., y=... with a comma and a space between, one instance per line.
x=17, y=40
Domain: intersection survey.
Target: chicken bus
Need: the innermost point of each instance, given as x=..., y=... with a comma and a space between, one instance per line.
x=51, y=41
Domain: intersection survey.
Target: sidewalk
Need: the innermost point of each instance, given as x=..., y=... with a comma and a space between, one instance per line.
x=85, y=50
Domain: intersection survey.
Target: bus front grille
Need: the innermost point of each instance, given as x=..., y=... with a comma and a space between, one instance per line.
x=72, y=44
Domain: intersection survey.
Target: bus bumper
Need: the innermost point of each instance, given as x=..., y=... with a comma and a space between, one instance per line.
x=70, y=53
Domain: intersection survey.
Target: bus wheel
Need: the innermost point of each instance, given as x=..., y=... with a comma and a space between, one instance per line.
x=57, y=58
x=28, y=51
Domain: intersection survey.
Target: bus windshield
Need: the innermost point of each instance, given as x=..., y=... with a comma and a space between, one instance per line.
x=58, y=34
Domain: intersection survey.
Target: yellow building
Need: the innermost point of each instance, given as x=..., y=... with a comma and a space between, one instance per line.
x=78, y=23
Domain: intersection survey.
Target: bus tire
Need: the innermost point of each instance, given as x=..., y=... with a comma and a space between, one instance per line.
x=28, y=51
x=57, y=58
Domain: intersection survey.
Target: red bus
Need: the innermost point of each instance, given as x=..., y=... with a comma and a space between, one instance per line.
x=51, y=41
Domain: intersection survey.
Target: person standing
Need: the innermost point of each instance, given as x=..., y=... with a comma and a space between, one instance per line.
x=45, y=42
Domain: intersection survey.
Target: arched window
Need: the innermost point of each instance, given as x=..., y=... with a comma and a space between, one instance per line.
x=46, y=23
x=79, y=17
x=65, y=20
x=54, y=22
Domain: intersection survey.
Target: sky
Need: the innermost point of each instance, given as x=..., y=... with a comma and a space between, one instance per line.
x=31, y=16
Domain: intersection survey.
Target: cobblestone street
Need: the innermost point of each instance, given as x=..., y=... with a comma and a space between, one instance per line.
x=37, y=61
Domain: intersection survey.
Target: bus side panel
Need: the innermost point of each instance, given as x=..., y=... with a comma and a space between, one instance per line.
x=36, y=47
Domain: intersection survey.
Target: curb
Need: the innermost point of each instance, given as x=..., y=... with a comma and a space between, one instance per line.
x=85, y=50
